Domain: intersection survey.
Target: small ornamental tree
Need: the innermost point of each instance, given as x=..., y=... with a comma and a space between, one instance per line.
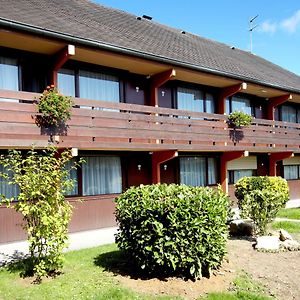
x=260, y=198
x=173, y=229
x=239, y=119
x=43, y=181
x=54, y=108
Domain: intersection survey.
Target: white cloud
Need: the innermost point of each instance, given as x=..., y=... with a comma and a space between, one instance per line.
x=268, y=27
x=291, y=24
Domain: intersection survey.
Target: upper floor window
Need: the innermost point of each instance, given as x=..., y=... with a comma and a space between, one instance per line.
x=9, y=74
x=195, y=100
x=238, y=103
x=290, y=113
x=91, y=85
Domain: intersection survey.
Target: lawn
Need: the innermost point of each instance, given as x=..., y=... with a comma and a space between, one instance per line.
x=289, y=213
x=88, y=274
x=291, y=227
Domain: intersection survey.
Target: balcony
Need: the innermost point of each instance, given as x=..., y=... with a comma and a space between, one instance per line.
x=104, y=125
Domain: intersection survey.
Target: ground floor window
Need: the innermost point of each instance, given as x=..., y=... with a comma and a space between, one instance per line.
x=72, y=175
x=8, y=190
x=291, y=172
x=235, y=175
x=101, y=175
x=198, y=171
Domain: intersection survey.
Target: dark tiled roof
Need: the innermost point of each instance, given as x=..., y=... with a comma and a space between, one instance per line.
x=86, y=20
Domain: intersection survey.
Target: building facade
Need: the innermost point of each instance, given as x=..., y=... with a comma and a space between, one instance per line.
x=150, y=105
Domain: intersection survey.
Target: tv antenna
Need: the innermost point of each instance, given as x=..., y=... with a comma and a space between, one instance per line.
x=251, y=28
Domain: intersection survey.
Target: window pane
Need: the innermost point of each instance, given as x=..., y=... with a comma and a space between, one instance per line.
x=8, y=190
x=72, y=175
x=190, y=99
x=193, y=171
x=210, y=104
x=101, y=175
x=66, y=82
x=212, y=171
x=98, y=86
x=241, y=104
x=288, y=113
x=290, y=172
x=9, y=79
x=238, y=174
x=227, y=104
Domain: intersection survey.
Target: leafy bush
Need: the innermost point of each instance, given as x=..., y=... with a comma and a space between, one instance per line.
x=53, y=107
x=42, y=180
x=239, y=118
x=260, y=198
x=173, y=229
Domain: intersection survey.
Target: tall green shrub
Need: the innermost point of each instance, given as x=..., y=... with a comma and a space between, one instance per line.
x=43, y=181
x=173, y=229
x=260, y=198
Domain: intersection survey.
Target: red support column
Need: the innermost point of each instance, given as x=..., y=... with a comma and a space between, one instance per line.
x=158, y=158
x=158, y=80
x=60, y=58
x=275, y=101
x=226, y=157
x=274, y=158
x=227, y=92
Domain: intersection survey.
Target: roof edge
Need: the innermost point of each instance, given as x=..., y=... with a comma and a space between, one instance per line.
x=105, y=46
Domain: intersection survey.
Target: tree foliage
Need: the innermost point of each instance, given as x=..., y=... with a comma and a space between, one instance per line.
x=43, y=181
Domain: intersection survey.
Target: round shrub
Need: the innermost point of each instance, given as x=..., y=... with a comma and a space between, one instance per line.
x=173, y=229
x=260, y=198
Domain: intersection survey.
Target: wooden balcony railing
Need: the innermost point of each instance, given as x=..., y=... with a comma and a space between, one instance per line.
x=122, y=126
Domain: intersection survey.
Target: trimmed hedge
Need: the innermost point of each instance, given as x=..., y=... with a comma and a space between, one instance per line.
x=173, y=229
x=260, y=198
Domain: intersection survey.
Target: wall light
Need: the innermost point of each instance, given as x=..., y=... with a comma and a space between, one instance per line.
x=165, y=167
x=139, y=167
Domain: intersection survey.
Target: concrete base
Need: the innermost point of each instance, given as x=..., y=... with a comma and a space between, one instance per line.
x=78, y=240
x=293, y=203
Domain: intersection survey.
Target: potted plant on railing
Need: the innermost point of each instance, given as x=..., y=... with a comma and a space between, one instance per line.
x=238, y=119
x=54, y=109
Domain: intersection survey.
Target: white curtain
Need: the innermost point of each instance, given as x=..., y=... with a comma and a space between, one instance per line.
x=102, y=175
x=193, y=171
x=237, y=174
x=66, y=82
x=241, y=104
x=98, y=86
x=190, y=99
x=72, y=175
x=288, y=113
x=212, y=170
x=8, y=190
x=291, y=172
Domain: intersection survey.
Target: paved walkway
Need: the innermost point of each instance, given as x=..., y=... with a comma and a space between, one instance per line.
x=78, y=240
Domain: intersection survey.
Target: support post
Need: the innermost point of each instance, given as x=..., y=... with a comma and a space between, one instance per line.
x=227, y=92
x=158, y=80
x=225, y=158
x=275, y=101
x=274, y=158
x=60, y=58
x=158, y=158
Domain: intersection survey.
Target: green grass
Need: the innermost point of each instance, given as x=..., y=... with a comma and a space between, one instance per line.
x=291, y=227
x=85, y=276
x=289, y=213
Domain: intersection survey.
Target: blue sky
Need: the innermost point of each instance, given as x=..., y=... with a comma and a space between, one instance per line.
x=277, y=38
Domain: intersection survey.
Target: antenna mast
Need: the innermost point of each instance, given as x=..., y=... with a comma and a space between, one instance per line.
x=251, y=28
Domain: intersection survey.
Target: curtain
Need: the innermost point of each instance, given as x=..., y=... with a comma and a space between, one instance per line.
x=237, y=174
x=8, y=190
x=290, y=172
x=241, y=104
x=66, y=82
x=210, y=104
x=102, y=175
x=98, y=86
x=72, y=175
x=288, y=113
x=193, y=171
x=190, y=99
x=212, y=170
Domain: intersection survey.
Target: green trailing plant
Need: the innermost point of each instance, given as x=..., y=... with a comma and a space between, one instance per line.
x=260, y=198
x=43, y=181
x=239, y=119
x=54, y=108
x=173, y=229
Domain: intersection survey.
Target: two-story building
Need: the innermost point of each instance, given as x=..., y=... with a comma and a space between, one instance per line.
x=151, y=104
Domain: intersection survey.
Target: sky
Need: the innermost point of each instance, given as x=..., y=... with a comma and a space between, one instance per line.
x=276, y=38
